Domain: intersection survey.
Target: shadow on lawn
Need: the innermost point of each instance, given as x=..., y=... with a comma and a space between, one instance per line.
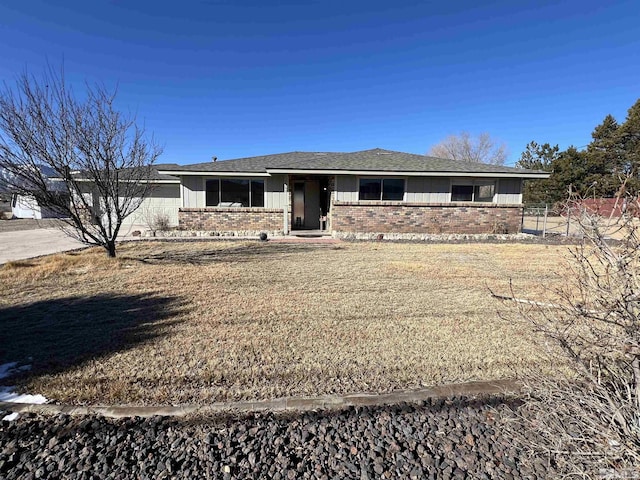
x=57, y=334
x=242, y=253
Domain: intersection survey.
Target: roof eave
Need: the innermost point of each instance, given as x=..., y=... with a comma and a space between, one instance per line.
x=213, y=173
x=88, y=180
x=280, y=171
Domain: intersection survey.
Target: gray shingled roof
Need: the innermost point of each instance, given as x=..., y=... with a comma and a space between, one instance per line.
x=154, y=175
x=367, y=160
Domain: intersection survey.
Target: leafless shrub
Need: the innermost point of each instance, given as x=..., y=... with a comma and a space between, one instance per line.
x=500, y=228
x=161, y=222
x=587, y=422
x=155, y=220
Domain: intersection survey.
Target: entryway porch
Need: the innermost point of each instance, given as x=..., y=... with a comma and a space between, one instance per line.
x=310, y=204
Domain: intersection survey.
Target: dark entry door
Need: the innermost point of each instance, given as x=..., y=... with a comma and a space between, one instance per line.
x=306, y=209
x=298, y=205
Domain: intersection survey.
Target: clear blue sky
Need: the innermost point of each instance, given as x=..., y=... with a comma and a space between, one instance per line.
x=236, y=78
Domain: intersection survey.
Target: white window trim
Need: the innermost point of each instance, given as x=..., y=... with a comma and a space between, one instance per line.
x=251, y=179
x=473, y=183
x=376, y=177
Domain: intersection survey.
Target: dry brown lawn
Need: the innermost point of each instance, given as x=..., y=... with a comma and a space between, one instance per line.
x=174, y=323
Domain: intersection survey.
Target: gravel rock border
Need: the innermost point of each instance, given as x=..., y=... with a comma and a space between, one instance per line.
x=449, y=439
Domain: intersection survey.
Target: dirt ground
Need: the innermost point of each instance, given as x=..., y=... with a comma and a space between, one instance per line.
x=197, y=322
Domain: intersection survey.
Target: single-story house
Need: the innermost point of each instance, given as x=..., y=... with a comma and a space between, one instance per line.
x=367, y=192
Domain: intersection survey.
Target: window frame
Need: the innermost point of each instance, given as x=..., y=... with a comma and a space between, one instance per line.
x=250, y=182
x=473, y=183
x=382, y=179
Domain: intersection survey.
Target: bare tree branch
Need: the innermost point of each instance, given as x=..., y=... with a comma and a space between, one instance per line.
x=465, y=148
x=588, y=419
x=81, y=158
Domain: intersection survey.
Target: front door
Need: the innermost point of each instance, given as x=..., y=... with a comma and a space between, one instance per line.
x=298, y=206
x=312, y=204
x=306, y=209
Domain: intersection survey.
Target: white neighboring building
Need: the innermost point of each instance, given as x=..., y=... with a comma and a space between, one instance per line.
x=25, y=206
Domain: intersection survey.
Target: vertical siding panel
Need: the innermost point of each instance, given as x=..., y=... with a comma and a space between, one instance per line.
x=509, y=191
x=200, y=193
x=274, y=191
x=347, y=188
x=193, y=193
x=438, y=190
x=416, y=189
x=188, y=201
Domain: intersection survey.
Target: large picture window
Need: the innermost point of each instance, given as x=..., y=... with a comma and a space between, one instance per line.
x=234, y=192
x=462, y=193
x=479, y=192
x=381, y=189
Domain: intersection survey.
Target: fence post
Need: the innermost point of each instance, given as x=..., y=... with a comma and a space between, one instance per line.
x=568, y=219
x=544, y=224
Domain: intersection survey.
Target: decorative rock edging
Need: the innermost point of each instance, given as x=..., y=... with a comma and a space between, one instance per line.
x=436, y=238
x=503, y=387
x=208, y=233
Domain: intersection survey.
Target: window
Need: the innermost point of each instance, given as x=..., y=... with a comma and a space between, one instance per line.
x=370, y=189
x=392, y=189
x=479, y=192
x=381, y=189
x=213, y=193
x=484, y=193
x=462, y=193
x=257, y=193
x=234, y=192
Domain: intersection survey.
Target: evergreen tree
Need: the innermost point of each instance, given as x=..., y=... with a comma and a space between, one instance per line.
x=538, y=157
x=629, y=141
x=605, y=159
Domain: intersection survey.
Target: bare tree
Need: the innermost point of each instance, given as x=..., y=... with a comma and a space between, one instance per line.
x=587, y=420
x=101, y=156
x=465, y=148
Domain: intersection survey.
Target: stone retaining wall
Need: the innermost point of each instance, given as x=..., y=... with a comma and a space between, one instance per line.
x=429, y=218
x=230, y=219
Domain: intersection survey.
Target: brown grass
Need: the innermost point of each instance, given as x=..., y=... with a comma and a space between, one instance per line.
x=213, y=321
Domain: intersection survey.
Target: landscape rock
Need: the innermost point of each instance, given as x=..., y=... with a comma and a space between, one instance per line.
x=434, y=439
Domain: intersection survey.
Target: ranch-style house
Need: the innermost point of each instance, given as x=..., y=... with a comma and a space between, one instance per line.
x=367, y=192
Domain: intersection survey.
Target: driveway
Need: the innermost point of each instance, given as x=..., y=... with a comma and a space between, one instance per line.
x=27, y=238
x=21, y=244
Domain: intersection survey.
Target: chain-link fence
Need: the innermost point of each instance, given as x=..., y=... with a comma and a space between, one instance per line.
x=542, y=219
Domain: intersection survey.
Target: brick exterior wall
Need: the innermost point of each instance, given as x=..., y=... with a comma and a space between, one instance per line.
x=427, y=218
x=230, y=219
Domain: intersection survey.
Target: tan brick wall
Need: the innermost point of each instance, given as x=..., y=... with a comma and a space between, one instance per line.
x=448, y=218
x=232, y=219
